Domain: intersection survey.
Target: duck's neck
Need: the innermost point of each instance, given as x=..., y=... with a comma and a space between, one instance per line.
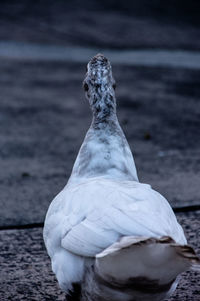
x=103, y=105
x=105, y=151
x=104, y=121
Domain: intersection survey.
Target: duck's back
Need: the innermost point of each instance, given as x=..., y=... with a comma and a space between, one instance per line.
x=86, y=218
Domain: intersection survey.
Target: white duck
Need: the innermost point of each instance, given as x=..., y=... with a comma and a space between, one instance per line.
x=116, y=238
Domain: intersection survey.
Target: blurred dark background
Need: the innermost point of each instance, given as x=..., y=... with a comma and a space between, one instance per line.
x=44, y=115
x=111, y=24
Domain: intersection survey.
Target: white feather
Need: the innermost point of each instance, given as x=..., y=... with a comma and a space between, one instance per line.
x=103, y=200
x=86, y=218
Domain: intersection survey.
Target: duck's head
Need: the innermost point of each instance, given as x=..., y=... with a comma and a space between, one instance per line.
x=99, y=84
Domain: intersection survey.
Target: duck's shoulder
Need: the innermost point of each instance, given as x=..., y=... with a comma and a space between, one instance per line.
x=91, y=190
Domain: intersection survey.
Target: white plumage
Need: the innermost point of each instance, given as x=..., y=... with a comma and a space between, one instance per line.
x=104, y=203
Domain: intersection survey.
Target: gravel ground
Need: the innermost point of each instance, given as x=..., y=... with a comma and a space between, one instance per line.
x=26, y=273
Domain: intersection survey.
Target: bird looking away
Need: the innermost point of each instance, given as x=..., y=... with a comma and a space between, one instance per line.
x=109, y=236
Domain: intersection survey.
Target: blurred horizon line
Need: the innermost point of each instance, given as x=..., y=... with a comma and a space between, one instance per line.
x=151, y=57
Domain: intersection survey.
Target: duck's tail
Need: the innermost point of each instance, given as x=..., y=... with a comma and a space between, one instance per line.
x=139, y=268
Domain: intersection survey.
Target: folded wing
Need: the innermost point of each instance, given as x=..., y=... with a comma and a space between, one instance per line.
x=138, y=211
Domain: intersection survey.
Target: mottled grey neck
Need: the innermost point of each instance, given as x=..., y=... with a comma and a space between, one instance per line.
x=104, y=108
x=105, y=151
x=99, y=87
